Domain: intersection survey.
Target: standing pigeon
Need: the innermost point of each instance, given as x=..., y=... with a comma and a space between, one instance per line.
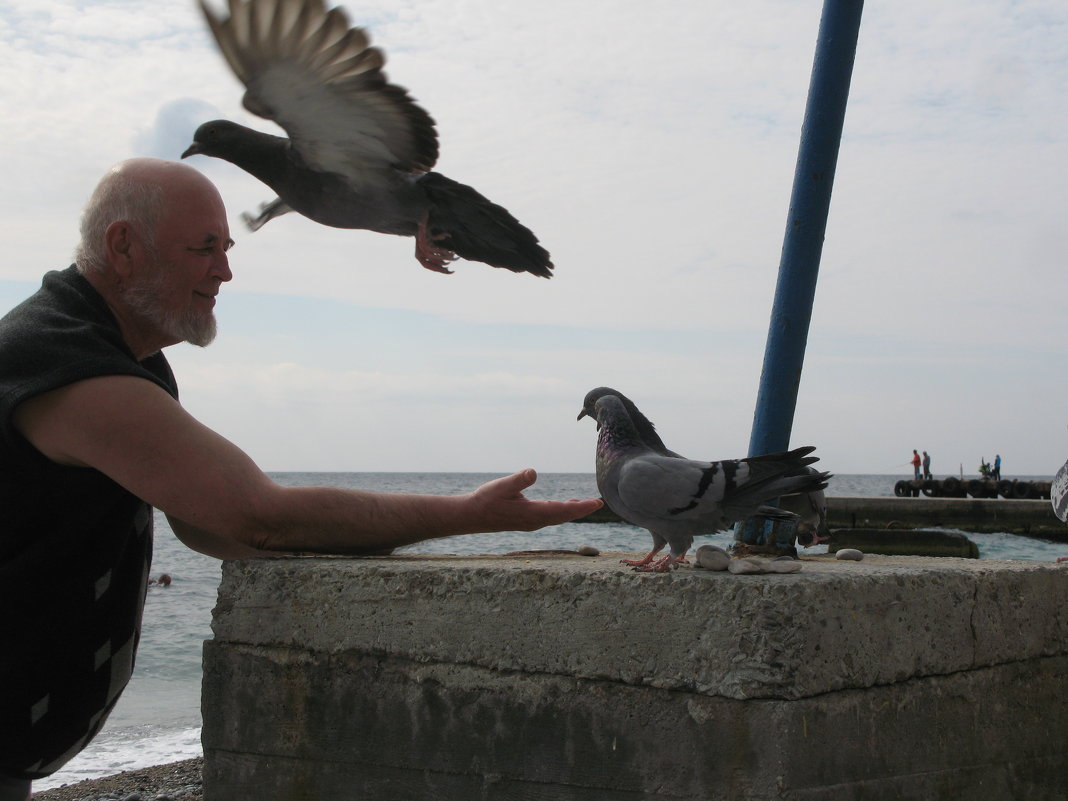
x=809, y=507
x=360, y=150
x=676, y=498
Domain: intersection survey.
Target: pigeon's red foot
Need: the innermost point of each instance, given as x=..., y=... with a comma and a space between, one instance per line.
x=643, y=561
x=661, y=565
x=430, y=255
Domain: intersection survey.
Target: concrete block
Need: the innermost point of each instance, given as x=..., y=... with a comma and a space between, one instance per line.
x=421, y=677
x=763, y=636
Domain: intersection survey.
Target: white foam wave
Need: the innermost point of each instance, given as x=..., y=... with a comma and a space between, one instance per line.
x=128, y=748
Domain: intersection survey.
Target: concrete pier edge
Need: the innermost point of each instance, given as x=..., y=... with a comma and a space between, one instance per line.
x=569, y=677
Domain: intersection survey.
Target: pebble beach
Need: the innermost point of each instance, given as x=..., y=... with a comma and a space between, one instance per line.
x=177, y=781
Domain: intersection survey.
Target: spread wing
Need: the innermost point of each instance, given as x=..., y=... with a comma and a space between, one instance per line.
x=308, y=70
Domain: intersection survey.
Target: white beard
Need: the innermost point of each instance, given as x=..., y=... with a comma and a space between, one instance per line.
x=143, y=298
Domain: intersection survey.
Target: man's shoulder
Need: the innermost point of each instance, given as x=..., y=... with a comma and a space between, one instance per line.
x=65, y=333
x=57, y=322
x=62, y=293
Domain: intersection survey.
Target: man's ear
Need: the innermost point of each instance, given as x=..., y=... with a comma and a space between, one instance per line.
x=119, y=247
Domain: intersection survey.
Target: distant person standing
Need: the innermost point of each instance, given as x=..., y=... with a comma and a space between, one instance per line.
x=926, y=465
x=915, y=464
x=996, y=475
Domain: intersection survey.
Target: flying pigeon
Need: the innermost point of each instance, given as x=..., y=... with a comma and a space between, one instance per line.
x=675, y=498
x=360, y=150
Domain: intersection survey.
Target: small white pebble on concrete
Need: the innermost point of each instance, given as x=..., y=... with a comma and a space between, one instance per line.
x=745, y=565
x=850, y=554
x=751, y=565
x=712, y=557
x=588, y=550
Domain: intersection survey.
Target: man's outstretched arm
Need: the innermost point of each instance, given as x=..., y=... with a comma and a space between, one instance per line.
x=135, y=433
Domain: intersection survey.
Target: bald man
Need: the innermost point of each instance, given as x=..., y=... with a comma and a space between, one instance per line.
x=92, y=436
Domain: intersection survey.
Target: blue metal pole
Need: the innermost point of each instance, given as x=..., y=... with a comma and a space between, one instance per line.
x=806, y=224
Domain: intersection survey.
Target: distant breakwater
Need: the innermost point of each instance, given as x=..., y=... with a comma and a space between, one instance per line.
x=953, y=487
x=1028, y=517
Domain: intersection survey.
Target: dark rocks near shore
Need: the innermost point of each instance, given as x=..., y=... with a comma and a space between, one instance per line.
x=177, y=781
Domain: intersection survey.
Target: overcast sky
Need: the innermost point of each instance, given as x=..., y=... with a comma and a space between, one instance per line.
x=651, y=147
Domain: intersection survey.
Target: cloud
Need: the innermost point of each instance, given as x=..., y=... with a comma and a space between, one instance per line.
x=653, y=154
x=172, y=130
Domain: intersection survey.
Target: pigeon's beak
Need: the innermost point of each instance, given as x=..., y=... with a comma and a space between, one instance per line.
x=585, y=413
x=192, y=150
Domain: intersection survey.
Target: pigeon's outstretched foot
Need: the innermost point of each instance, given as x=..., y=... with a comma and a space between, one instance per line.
x=643, y=561
x=430, y=255
x=662, y=565
x=268, y=211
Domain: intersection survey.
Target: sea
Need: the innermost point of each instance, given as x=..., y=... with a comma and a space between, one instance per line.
x=157, y=720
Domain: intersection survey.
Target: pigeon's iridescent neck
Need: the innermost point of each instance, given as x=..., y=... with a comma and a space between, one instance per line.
x=606, y=448
x=613, y=441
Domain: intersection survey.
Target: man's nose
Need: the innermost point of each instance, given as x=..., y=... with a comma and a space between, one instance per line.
x=222, y=267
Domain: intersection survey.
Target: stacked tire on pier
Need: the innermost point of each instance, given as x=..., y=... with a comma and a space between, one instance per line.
x=974, y=487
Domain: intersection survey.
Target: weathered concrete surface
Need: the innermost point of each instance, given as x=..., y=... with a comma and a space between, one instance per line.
x=770, y=636
x=398, y=730
x=570, y=678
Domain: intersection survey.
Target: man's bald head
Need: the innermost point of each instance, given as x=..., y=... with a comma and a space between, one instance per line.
x=139, y=192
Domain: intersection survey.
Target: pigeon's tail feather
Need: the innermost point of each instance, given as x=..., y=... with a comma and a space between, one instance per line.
x=798, y=457
x=775, y=513
x=776, y=474
x=477, y=229
x=769, y=488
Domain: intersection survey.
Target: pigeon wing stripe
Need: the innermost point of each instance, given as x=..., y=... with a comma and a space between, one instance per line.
x=655, y=487
x=726, y=469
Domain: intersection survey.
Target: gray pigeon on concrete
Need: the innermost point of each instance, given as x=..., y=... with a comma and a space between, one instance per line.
x=675, y=498
x=360, y=150
x=809, y=507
